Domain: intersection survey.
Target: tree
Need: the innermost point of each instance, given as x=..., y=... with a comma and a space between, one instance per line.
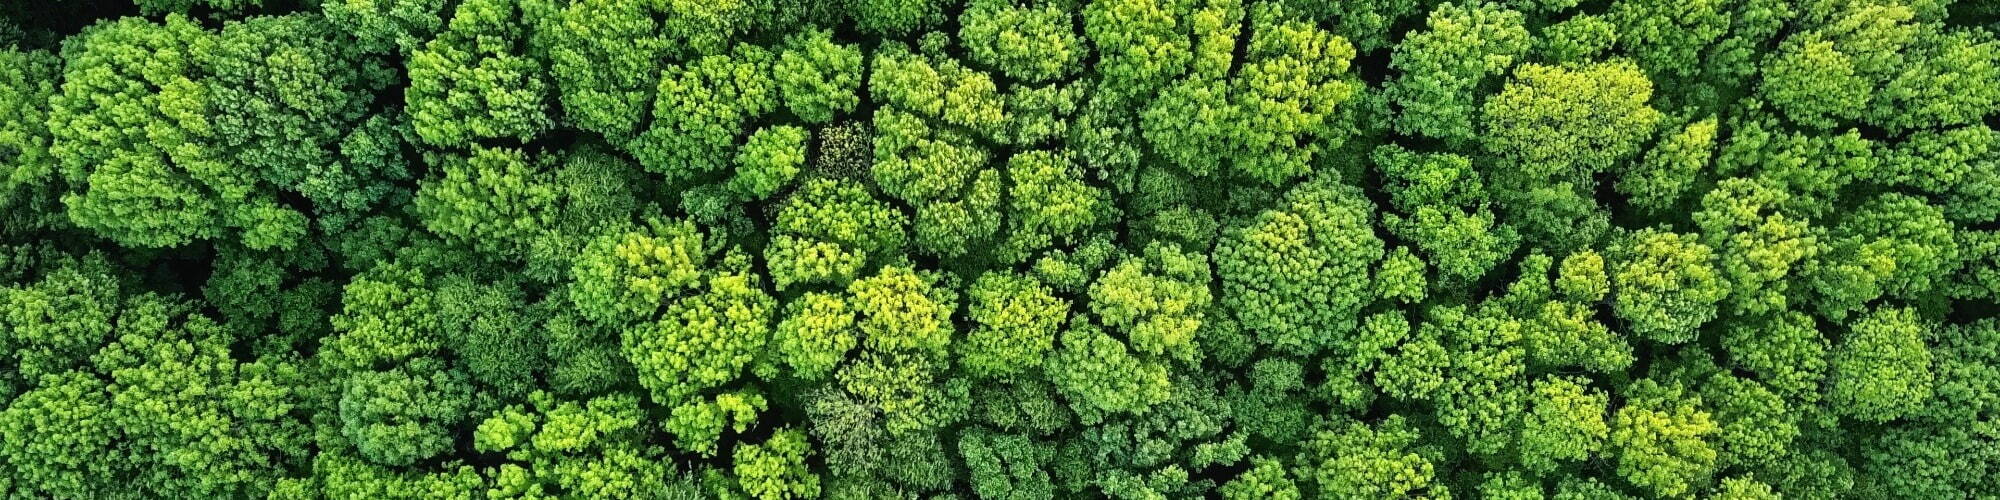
x=698, y=425
x=1350, y=458
x=1267, y=478
x=776, y=469
x=623, y=276
x=1881, y=370
x=905, y=321
x=605, y=57
x=701, y=110
x=1891, y=245
x=1276, y=114
x=1662, y=439
x=593, y=447
x=1028, y=44
x=1670, y=38
x=1016, y=321
x=405, y=414
x=380, y=26
x=474, y=83
x=1556, y=122
x=285, y=92
x=940, y=172
x=30, y=187
x=1786, y=351
x=1760, y=246
x=895, y=17
x=1444, y=66
x=1006, y=465
x=703, y=338
x=1445, y=211
x=1665, y=285
x=829, y=230
x=1140, y=44
x=54, y=323
x=142, y=164
x=1579, y=39
x=1157, y=300
x=1298, y=275
x=1565, y=424
x=1553, y=128
x=1935, y=90
x=387, y=315
x=1048, y=204
x=1671, y=168
x=1100, y=375
x=817, y=77
x=490, y=200
x=768, y=161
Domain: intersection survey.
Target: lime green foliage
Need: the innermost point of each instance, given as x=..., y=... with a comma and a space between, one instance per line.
x=406, y=414
x=29, y=187
x=387, y=315
x=828, y=230
x=1666, y=285
x=999, y=249
x=387, y=25
x=701, y=109
x=1349, y=458
x=1030, y=44
x=1576, y=39
x=1266, y=478
x=1671, y=168
x=591, y=448
x=768, y=161
x=1553, y=129
x=905, y=321
x=1272, y=118
x=1443, y=67
x=163, y=381
x=1444, y=210
x=1557, y=122
x=1565, y=425
x=895, y=17
x=1017, y=320
x=704, y=338
x=623, y=276
x=1892, y=245
x=472, y=82
x=605, y=57
x=816, y=334
x=1102, y=375
x=1786, y=352
x=1664, y=441
x=1670, y=38
x=1297, y=275
x=490, y=200
x=698, y=425
x=1761, y=247
x=135, y=132
x=817, y=77
x=1141, y=44
x=1881, y=370
x=776, y=469
x=1049, y=203
x=1157, y=300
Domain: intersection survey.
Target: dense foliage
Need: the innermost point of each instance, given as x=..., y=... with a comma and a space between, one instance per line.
x=1007, y=249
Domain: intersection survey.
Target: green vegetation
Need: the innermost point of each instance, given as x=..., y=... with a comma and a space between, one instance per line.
x=999, y=249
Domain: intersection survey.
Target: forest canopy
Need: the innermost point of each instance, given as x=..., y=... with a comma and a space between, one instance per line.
x=999, y=249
